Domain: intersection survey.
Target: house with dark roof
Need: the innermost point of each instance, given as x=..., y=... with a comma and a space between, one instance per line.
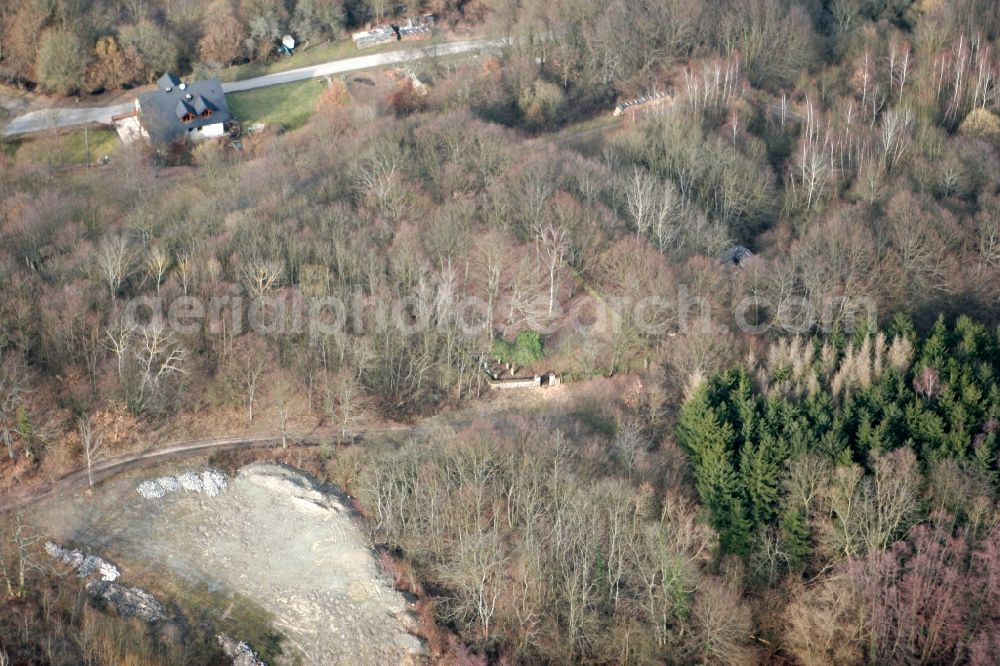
x=181, y=110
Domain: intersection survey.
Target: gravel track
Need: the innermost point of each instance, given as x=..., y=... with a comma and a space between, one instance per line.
x=178, y=451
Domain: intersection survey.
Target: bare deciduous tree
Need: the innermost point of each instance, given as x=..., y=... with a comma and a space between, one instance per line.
x=119, y=334
x=114, y=262
x=723, y=624
x=156, y=263
x=490, y=262
x=664, y=558
x=283, y=391
x=639, y=191
x=476, y=570
x=15, y=572
x=261, y=275
x=249, y=364
x=185, y=271
x=555, y=245
x=158, y=357
x=380, y=178
x=92, y=443
x=869, y=512
x=13, y=392
x=805, y=481
x=823, y=623
x=668, y=222
x=894, y=135
x=346, y=401
x=713, y=86
x=630, y=446
x=845, y=13
x=812, y=168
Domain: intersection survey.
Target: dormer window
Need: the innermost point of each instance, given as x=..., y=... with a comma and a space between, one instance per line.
x=184, y=112
x=202, y=107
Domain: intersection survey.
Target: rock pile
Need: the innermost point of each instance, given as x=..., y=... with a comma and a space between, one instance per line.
x=85, y=565
x=239, y=652
x=210, y=482
x=127, y=601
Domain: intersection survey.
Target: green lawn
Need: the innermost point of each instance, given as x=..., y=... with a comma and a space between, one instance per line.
x=289, y=104
x=70, y=147
x=601, y=121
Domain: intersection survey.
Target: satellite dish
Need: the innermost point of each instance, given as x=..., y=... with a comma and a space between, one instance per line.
x=288, y=41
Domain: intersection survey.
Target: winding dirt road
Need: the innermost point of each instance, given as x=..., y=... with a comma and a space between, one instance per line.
x=107, y=468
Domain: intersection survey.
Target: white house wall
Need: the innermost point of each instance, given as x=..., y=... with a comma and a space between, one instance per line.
x=210, y=131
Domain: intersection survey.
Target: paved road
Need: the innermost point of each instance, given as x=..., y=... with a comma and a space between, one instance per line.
x=362, y=62
x=47, y=119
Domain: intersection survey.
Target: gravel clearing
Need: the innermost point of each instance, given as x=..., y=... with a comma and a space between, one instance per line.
x=274, y=537
x=281, y=540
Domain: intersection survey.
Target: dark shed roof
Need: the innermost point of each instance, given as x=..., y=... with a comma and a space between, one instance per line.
x=167, y=82
x=162, y=112
x=736, y=255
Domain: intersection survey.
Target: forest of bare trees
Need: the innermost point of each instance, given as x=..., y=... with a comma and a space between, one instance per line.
x=797, y=475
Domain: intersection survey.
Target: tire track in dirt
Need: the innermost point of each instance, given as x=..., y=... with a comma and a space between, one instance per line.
x=103, y=470
x=179, y=450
